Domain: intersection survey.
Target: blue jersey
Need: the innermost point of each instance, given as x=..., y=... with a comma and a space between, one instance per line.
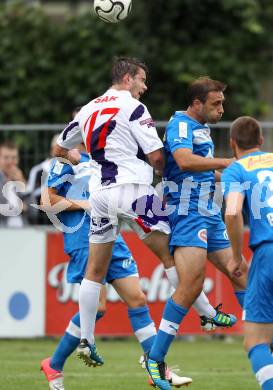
x=184, y=132
x=71, y=182
x=252, y=175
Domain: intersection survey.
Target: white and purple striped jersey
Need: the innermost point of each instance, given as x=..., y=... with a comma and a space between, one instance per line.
x=118, y=132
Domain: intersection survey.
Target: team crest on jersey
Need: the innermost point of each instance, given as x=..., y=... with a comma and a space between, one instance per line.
x=202, y=235
x=183, y=130
x=201, y=136
x=57, y=168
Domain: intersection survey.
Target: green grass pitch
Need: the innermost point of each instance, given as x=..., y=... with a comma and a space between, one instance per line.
x=213, y=365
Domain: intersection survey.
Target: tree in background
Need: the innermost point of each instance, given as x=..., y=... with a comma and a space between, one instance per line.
x=48, y=66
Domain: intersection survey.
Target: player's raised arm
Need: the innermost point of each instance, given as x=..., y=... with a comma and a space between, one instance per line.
x=66, y=142
x=188, y=161
x=53, y=202
x=72, y=155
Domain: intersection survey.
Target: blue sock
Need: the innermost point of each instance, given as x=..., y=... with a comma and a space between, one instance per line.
x=172, y=317
x=68, y=342
x=240, y=295
x=143, y=326
x=262, y=365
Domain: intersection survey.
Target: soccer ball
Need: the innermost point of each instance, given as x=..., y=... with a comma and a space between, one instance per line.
x=112, y=11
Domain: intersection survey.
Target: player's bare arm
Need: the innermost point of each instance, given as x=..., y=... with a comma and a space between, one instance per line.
x=73, y=155
x=235, y=228
x=188, y=161
x=52, y=202
x=157, y=161
x=217, y=175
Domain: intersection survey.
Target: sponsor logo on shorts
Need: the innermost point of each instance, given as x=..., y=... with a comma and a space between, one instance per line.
x=226, y=237
x=101, y=231
x=202, y=235
x=99, y=222
x=127, y=262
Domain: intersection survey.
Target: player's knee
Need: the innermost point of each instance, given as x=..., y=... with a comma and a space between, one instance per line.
x=191, y=286
x=138, y=300
x=197, y=281
x=95, y=274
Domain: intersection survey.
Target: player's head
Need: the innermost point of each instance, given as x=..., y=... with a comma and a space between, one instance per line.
x=75, y=111
x=52, y=143
x=129, y=74
x=245, y=134
x=9, y=155
x=205, y=98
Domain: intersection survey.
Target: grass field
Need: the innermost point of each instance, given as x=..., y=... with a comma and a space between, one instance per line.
x=213, y=365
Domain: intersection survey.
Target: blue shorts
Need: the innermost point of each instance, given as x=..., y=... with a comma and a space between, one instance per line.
x=120, y=267
x=258, y=303
x=198, y=231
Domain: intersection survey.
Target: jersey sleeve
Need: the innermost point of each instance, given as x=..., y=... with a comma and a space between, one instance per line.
x=71, y=135
x=57, y=175
x=143, y=130
x=179, y=135
x=232, y=180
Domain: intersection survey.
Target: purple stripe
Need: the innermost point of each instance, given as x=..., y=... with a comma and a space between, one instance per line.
x=140, y=154
x=152, y=205
x=137, y=114
x=68, y=129
x=109, y=169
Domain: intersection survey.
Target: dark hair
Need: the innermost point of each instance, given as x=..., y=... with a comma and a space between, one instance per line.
x=200, y=88
x=246, y=132
x=9, y=145
x=123, y=65
x=77, y=109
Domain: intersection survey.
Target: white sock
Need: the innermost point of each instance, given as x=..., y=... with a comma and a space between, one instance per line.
x=201, y=305
x=172, y=276
x=89, y=295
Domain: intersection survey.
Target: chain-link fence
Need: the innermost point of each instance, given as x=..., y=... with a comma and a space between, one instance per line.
x=34, y=143
x=34, y=140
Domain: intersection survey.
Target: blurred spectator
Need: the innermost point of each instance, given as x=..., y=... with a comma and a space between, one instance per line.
x=10, y=175
x=36, y=179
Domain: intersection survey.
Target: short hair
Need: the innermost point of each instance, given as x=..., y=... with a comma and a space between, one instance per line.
x=8, y=145
x=54, y=140
x=246, y=132
x=200, y=88
x=77, y=109
x=124, y=65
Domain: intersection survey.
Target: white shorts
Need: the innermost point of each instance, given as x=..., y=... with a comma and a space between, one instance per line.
x=138, y=205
